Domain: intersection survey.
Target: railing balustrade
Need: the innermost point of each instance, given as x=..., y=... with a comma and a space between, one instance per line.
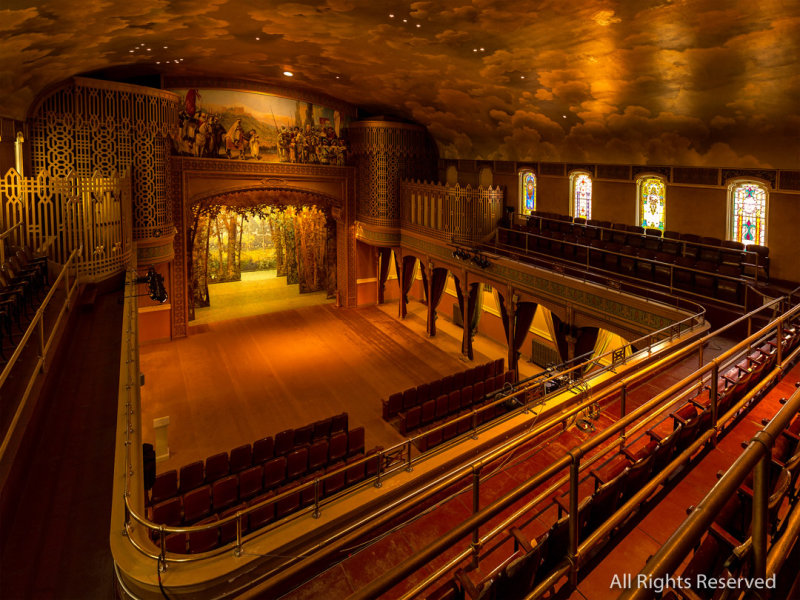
x=590, y=264
x=390, y=461
x=452, y=213
x=754, y=460
x=627, y=425
x=61, y=214
x=37, y=327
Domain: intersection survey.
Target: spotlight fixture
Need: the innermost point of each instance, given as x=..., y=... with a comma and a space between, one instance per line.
x=481, y=261
x=288, y=74
x=155, y=285
x=461, y=254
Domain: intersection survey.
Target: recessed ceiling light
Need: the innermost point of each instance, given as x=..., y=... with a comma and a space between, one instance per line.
x=130, y=50
x=481, y=49
x=158, y=62
x=165, y=47
x=288, y=73
x=405, y=20
x=564, y=116
x=337, y=77
x=474, y=49
x=418, y=25
x=258, y=39
x=148, y=49
x=391, y=16
x=522, y=76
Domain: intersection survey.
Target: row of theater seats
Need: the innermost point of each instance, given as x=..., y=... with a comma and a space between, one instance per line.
x=447, y=406
x=618, y=479
x=722, y=552
x=713, y=280
x=707, y=249
x=431, y=390
x=266, y=508
x=333, y=429
x=24, y=282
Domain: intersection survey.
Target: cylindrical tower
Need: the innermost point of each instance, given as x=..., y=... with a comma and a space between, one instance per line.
x=386, y=152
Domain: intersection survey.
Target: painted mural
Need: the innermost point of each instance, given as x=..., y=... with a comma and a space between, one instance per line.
x=217, y=123
x=663, y=82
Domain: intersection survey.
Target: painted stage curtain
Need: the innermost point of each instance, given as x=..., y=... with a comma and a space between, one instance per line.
x=407, y=279
x=524, y=318
x=470, y=316
x=384, y=255
x=501, y=303
x=560, y=330
x=438, y=281
x=585, y=340
x=473, y=313
x=424, y=273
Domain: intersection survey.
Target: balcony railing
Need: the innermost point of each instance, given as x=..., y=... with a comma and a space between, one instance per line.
x=451, y=213
x=62, y=214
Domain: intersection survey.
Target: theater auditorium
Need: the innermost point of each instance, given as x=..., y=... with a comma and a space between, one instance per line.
x=448, y=300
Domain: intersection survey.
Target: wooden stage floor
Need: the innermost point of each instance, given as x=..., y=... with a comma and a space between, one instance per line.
x=233, y=382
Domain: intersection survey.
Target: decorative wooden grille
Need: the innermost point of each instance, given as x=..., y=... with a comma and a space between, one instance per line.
x=65, y=213
x=386, y=153
x=452, y=213
x=90, y=126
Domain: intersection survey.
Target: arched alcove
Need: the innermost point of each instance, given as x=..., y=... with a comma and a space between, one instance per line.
x=298, y=226
x=198, y=183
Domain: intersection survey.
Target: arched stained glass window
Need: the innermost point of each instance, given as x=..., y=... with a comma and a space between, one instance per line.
x=527, y=192
x=652, y=205
x=581, y=185
x=748, y=213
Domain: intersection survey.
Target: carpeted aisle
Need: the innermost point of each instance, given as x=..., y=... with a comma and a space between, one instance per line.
x=58, y=532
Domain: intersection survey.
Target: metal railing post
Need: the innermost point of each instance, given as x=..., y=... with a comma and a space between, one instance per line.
x=779, y=355
x=760, y=524
x=378, y=474
x=237, y=550
x=476, y=506
x=41, y=340
x=713, y=395
x=474, y=424
x=316, y=513
x=573, y=518
x=622, y=411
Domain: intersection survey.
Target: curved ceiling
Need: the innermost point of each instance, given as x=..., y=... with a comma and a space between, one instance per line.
x=692, y=82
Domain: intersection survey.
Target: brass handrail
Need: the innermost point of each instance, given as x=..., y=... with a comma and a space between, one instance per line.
x=755, y=456
x=400, y=450
x=405, y=448
x=589, y=268
x=44, y=344
x=3, y=236
x=393, y=576
x=626, y=232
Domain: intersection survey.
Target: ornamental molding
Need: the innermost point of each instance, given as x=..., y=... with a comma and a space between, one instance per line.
x=555, y=292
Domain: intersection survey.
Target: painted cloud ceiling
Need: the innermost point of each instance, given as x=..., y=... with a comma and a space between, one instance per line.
x=691, y=82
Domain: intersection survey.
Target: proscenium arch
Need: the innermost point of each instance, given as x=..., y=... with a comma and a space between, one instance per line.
x=249, y=197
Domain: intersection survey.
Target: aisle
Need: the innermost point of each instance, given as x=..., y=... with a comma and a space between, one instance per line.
x=58, y=535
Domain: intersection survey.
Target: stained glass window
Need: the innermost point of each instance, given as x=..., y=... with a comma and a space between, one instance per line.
x=749, y=213
x=527, y=192
x=581, y=195
x=651, y=202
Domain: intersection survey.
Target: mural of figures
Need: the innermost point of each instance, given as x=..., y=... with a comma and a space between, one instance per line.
x=242, y=125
